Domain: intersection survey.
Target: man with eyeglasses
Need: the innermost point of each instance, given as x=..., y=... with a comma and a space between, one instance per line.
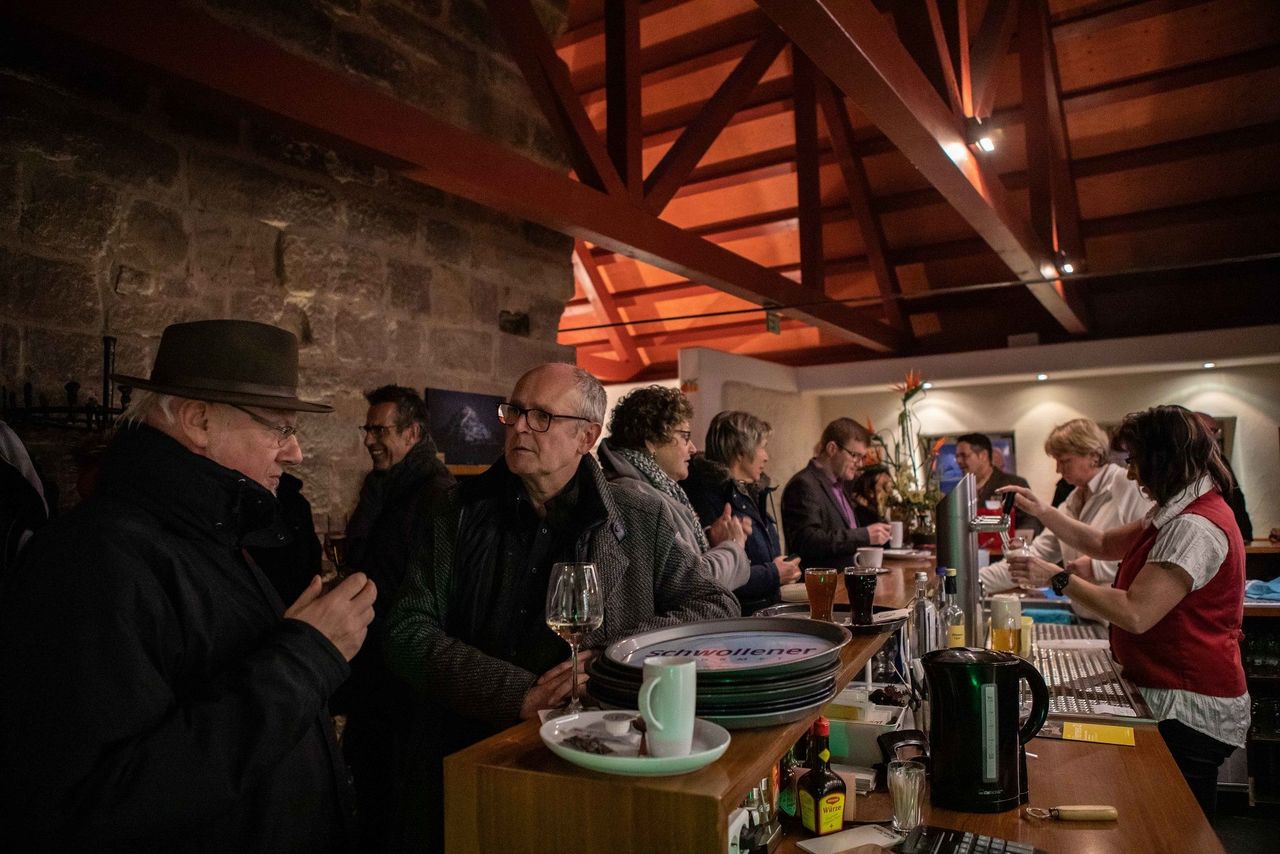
x=469, y=631
x=155, y=692
x=407, y=481
x=817, y=517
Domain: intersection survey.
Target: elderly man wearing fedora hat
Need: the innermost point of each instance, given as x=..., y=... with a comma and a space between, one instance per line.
x=155, y=693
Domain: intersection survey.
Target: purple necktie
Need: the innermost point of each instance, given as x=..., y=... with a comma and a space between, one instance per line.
x=843, y=503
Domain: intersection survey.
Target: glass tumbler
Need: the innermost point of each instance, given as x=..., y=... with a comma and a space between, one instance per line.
x=906, y=787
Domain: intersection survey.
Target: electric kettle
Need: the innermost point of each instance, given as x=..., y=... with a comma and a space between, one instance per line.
x=975, y=741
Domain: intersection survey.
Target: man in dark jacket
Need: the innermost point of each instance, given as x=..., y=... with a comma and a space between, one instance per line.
x=406, y=482
x=816, y=514
x=469, y=631
x=155, y=693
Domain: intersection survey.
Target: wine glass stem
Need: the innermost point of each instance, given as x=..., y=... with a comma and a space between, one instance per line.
x=574, y=705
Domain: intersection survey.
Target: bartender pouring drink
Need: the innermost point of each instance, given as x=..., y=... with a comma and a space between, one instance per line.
x=1178, y=598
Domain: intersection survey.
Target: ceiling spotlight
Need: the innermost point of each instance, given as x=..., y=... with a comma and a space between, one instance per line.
x=926, y=386
x=982, y=136
x=1065, y=265
x=1049, y=271
x=1210, y=364
x=1041, y=377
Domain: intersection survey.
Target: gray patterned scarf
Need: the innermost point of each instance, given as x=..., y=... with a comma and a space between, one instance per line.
x=661, y=481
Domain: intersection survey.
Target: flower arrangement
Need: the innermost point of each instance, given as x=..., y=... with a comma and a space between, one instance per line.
x=915, y=480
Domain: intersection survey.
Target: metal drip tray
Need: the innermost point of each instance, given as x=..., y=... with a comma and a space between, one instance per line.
x=1084, y=681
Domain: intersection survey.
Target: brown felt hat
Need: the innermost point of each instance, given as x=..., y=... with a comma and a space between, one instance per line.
x=228, y=361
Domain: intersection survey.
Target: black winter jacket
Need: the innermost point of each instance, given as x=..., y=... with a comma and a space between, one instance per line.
x=709, y=487
x=152, y=698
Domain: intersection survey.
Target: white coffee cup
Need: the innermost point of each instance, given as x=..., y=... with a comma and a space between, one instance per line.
x=869, y=556
x=667, y=700
x=895, y=535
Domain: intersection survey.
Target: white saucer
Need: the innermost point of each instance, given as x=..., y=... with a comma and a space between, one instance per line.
x=709, y=743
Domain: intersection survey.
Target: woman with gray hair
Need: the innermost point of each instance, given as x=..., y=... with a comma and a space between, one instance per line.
x=648, y=450
x=730, y=477
x=1103, y=498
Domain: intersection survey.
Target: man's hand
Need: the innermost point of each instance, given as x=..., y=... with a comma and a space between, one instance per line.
x=1026, y=501
x=1030, y=571
x=552, y=687
x=726, y=527
x=342, y=615
x=788, y=570
x=879, y=533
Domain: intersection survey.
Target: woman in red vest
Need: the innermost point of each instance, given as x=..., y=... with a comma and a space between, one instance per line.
x=1178, y=598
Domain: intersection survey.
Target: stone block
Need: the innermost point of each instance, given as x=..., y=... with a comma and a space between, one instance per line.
x=228, y=252
x=312, y=320
x=553, y=242
x=223, y=184
x=471, y=18
x=451, y=296
x=360, y=336
x=372, y=57
x=8, y=193
x=141, y=315
x=462, y=349
x=517, y=355
x=134, y=353
x=445, y=241
x=409, y=286
x=443, y=55
x=151, y=238
x=10, y=354
x=376, y=221
x=262, y=306
x=316, y=266
x=71, y=213
x=45, y=291
x=34, y=119
x=484, y=300
x=544, y=314
x=429, y=8
x=409, y=346
x=128, y=280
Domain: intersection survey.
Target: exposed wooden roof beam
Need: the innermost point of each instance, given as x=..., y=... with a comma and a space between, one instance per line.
x=623, y=117
x=859, y=192
x=808, y=187
x=548, y=79
x=1109, y=14
x=178, y=40
x=593, y=286
x=674, y=167
x=992, y=42
x=702, y=334
x=857, y=51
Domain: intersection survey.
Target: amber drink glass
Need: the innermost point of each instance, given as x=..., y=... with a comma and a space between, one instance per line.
x=820, y=584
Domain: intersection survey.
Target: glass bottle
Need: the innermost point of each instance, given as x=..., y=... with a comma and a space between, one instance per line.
x=822, y=791
x=952, y=614
x=924, y=620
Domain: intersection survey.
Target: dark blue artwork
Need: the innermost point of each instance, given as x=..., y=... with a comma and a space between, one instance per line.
x=949, y=473
x=465, y=426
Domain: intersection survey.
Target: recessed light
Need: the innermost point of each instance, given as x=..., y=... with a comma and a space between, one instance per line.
x=926, y=386
x=1068, y=268
x=1041, y=377
x=1049, y=271
x=1210, y=364
x=987, y=144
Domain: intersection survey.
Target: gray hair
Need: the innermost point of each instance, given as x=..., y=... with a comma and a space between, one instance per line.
x=144, y=404
x=734, y=434
x=590, y=394
x=1080, y=437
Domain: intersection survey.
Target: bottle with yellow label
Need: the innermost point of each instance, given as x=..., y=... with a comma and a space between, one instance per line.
x=822, y=791
x=952, y=614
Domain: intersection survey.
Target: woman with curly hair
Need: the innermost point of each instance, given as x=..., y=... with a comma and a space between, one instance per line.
x=1178, y=598
x=648, y=450
x=867, y=493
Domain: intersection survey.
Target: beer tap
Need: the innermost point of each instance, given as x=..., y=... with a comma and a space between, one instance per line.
x=958, y=527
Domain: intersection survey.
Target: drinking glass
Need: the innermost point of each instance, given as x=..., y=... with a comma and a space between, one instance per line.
x=820, y=585
x=906, y=786
x=860, y=583
x=335, y=549
x=575, y=608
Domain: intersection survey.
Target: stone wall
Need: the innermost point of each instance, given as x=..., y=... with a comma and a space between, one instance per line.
x=128, y=203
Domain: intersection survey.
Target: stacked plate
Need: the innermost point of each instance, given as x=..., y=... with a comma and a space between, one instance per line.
x=752, y=672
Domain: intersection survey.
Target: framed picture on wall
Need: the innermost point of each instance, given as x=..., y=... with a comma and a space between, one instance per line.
x=949, y=474
x=465, y=428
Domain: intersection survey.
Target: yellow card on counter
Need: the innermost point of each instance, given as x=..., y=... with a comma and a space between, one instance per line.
x=1102, y=733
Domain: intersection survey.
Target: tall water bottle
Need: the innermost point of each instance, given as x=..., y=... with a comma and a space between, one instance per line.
x=925, y=627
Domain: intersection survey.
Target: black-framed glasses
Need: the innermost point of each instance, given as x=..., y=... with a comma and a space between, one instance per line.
x=539, y=420
x=377, y=431
x=856, y=455
x=686, y=435
x=284, y=432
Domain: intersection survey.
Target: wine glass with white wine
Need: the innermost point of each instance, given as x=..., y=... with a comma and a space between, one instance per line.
x=575, y=608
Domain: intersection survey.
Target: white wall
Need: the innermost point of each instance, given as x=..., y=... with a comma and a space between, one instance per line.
x=795, y=420
x=1031, y=409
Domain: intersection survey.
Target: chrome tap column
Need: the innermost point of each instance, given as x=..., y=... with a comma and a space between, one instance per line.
x=958, y=527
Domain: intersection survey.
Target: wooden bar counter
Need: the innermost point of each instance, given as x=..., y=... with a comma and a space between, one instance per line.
x=510, y=793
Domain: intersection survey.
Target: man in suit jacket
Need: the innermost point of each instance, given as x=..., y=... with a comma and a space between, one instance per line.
x=816, y=515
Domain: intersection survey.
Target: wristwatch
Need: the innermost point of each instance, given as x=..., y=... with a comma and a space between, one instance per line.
x=1059, y=581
